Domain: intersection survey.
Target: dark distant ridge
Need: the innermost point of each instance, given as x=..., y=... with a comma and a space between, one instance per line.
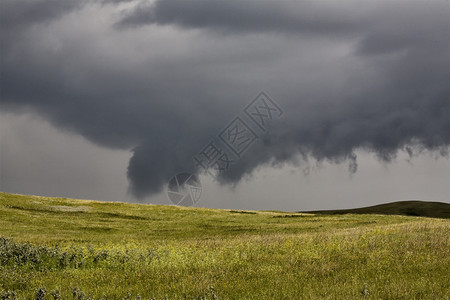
x=405, y=208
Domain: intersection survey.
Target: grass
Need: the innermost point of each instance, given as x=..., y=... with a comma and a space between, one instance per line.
x=55, y=248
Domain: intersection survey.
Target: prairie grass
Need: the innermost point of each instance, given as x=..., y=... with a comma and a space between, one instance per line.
x=55, y=248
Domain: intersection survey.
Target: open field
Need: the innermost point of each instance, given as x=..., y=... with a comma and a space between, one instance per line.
x=79, y=249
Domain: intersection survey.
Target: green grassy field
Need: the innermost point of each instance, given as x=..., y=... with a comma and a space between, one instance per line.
x=55, y=248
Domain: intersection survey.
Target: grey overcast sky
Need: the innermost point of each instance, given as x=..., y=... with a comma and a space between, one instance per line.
x=108, y=99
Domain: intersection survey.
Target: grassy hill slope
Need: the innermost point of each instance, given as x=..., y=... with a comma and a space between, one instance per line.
x=53, y=248
x=405, y=208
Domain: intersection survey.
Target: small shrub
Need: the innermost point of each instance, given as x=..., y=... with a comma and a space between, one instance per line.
x=40, y=294
x=8, y=295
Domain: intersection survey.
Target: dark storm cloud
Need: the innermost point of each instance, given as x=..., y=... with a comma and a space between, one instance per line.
x=242, y=16
x=22, y=13
x=17, y=14
x=380, y=84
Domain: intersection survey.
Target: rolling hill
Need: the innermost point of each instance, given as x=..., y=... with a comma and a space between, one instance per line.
x=405, y=208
